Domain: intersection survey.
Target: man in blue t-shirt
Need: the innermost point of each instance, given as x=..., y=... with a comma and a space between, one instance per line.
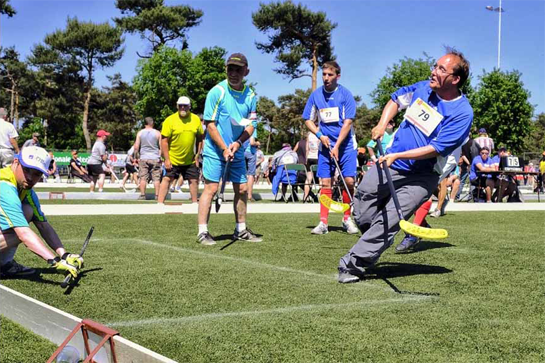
x=483, y=163
x=230, y=116
x=437, y=121
x=335, y=108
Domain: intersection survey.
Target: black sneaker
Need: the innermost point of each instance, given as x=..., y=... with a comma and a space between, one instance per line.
x=246, y=235
x=13, y=270
x=347, y=277
x=206, y=239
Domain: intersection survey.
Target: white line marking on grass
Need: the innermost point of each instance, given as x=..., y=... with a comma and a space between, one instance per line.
x=80, y=240
x=250, y=262
x=189, y=319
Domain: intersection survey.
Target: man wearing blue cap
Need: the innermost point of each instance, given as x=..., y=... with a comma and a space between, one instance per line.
x=19, y=205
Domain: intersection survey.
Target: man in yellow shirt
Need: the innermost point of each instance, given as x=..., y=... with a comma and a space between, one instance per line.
x=181, y=144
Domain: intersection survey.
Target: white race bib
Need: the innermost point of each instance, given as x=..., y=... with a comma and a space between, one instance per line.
x=330, y=114
x=421, y=115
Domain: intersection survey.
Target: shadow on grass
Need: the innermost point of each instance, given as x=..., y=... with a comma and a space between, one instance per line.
x=387, y=270
x=74, y=283
x=397, y=269
x=331, y=229
x=230, y=237
x=428, y=245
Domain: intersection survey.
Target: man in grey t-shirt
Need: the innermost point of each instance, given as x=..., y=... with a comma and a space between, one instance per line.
x=97, y=158
x=34, y=141
x=148, y=144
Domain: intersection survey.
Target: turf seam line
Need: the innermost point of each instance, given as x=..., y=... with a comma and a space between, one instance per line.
x=255, y=263
x=188, y=319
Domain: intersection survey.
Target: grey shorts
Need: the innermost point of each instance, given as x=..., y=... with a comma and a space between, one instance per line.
x=148, y=166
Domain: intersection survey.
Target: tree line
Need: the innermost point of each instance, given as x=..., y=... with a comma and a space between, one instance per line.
x=53, y=90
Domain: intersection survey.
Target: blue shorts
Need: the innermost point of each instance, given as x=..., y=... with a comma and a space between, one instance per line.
x=348, y=161
x=212, y=170
x=250, y=163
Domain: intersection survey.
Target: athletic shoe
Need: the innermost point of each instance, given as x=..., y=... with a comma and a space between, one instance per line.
x=436, y=213
x=172, y=189
x=347, y=277
x=350, y=227
x=321, y=228
x=142, y=197
x=206, y=239
x=246, y=235
x=408, y=243
x=13, y=269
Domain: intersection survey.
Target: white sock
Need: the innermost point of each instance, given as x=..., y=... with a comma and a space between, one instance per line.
x=100, y=190
x=241, y=226
x=203, y=228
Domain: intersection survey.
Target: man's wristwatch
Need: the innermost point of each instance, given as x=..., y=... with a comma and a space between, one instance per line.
x=239, y=142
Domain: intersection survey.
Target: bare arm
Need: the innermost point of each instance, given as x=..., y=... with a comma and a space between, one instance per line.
x=347, y=125
x=200, y=144
x=424, y=152
x=76, y=168
x=33, y=242
x=389, y=112
x=13, y=142
x=312, y=128
x=164, y=151
x=483, y=168
x=160, y=143
x=372, y=153
x=137, y=142
x=51, y=172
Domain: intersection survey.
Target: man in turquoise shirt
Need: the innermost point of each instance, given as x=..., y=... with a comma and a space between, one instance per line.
x=230, y=116
x=19, y=205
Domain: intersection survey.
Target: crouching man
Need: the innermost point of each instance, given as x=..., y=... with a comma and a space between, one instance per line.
x=19, y=205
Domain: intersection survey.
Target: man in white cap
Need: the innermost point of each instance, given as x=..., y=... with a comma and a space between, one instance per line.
x=182, y=135
x=97, y=159
x=8, y=140
x=19, y=205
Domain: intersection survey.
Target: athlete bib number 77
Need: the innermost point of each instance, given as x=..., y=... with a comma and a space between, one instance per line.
x=421, y=115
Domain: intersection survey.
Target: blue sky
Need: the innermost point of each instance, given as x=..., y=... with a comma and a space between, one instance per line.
x=371, y=35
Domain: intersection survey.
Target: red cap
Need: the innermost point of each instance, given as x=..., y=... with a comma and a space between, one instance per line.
x=102, y=133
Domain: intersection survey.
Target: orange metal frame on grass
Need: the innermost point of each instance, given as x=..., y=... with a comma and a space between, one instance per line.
x=94, y=327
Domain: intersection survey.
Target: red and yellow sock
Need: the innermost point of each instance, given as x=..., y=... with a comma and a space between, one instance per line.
x=346, y=200
x=421, y=213
x=324, y=212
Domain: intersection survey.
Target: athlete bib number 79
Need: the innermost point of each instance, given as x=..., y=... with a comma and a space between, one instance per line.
x=421, y=115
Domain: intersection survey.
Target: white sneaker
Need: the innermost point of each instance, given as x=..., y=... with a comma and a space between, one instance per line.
x=321, y=228
x=436, y=213
x=350, y=227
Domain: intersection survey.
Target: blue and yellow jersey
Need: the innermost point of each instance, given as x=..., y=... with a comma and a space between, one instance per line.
x=12, y=200
x=229, y=109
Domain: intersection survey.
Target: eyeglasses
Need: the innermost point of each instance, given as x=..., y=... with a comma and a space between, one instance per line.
x=440, y=70
x=485, y=153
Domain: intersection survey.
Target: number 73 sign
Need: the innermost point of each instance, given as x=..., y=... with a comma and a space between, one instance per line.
x=421, y=115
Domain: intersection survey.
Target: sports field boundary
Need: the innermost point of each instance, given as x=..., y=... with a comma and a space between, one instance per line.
x=192, y=208
x=55, y=325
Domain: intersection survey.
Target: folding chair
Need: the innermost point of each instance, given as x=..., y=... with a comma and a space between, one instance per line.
x=297, y=168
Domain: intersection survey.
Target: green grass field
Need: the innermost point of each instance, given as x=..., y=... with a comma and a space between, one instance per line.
x=475, y=297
